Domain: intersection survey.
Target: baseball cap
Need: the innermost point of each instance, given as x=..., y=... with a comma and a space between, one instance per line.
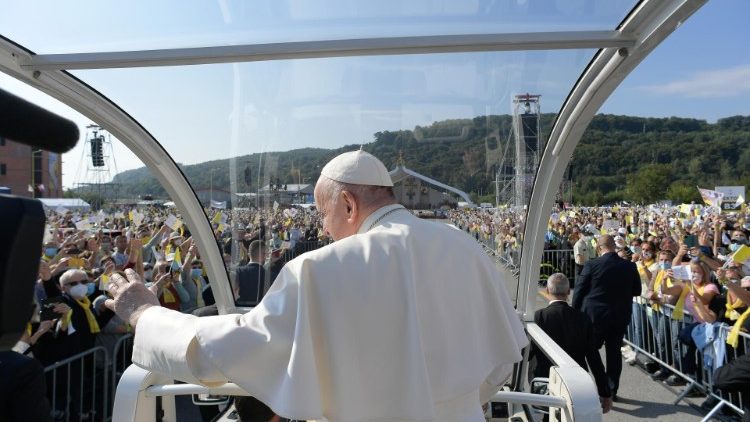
x=357, y=168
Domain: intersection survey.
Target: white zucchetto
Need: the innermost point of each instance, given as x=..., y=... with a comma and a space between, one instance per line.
x=357, y=168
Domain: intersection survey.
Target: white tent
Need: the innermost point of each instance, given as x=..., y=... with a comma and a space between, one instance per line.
x=71, y=204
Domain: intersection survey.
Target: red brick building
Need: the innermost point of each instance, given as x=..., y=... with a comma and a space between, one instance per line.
x=22, y=167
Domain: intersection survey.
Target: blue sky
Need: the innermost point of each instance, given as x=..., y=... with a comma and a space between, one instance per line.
x=701, y=71
x=217, y=111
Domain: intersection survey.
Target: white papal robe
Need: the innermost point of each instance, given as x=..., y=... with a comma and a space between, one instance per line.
x=401, y=322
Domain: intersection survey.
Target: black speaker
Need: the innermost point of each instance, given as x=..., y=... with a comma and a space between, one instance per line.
x=22, y=221
x=97, y=151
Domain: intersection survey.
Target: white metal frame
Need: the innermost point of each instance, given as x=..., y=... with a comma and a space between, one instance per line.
x=93, y=105
x=570, y=387
x=331, y=48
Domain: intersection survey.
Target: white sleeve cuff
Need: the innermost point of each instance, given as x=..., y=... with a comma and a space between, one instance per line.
x=165, y=343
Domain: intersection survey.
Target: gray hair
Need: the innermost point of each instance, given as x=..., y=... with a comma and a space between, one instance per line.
x=67, y=275
x=558, y=284
x=366, y=195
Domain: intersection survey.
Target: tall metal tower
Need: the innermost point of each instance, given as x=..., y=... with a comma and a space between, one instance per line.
x=501, y=159
x=99, y=159
x=528, y=143
x=518, y=157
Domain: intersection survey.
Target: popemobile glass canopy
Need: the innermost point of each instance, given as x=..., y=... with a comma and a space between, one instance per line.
x=239, y=84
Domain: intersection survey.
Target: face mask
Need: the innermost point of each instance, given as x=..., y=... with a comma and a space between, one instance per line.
x=50, y=252
x=79, y=291
x=90, y=288
x=734, y=246
x=633, y=229
x=147, y=274
x=740, y=241
x=636, y=249
x=648, y=254
x=196, y=272
x=665, y=265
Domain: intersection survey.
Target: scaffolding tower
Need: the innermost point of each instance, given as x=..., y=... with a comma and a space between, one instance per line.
x=98, y=157
x=518, y=157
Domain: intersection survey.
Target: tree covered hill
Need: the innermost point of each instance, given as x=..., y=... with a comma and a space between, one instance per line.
x=619, y=158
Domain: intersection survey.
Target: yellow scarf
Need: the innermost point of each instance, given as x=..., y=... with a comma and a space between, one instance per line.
x=660, y=278
x=734, y=335
x=199, y=292
x=168, y=296
x=85, y=303
x=731, y=311
x=643, y=265
x=657, y=286
x=679, y=307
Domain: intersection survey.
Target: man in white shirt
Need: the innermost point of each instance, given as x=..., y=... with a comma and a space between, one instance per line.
x=398, y=319
x=582, y=249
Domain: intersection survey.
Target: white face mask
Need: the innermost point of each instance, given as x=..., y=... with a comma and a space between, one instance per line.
x=79, y=291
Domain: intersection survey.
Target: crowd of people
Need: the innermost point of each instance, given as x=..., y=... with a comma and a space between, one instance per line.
x=693, y=262
x=82, y=250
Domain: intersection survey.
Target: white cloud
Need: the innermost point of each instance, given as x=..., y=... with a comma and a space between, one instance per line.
x=729, y=82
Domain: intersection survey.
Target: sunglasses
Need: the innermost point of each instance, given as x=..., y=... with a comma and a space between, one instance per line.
x=75, y=283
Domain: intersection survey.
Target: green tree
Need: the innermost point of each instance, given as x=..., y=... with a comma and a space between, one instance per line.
x=650, y=183
x=682, y=192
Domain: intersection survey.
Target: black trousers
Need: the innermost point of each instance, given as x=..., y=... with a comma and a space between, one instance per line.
x=611, y=339
x=579, y=270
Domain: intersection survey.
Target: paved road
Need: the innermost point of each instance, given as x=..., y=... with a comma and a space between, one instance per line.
x=643, y=398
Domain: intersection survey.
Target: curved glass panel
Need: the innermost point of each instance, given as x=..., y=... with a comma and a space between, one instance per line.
x=253, y=137
x=89, y=26
x=94, y=223
x=678, y=122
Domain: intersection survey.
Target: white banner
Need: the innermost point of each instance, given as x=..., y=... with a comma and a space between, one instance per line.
x=222, y=205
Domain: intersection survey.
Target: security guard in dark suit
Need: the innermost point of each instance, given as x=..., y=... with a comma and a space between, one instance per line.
x=573, y=331
x=604, y=292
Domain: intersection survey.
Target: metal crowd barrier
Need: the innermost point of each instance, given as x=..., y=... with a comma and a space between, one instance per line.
x=557, y=261
x=654, y=333
x=78, y=386
x=736, y=401
x=83, y=385
x=121, y=359
x=553, y=261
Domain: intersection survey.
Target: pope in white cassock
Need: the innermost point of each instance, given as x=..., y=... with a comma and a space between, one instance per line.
x=400, y=319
